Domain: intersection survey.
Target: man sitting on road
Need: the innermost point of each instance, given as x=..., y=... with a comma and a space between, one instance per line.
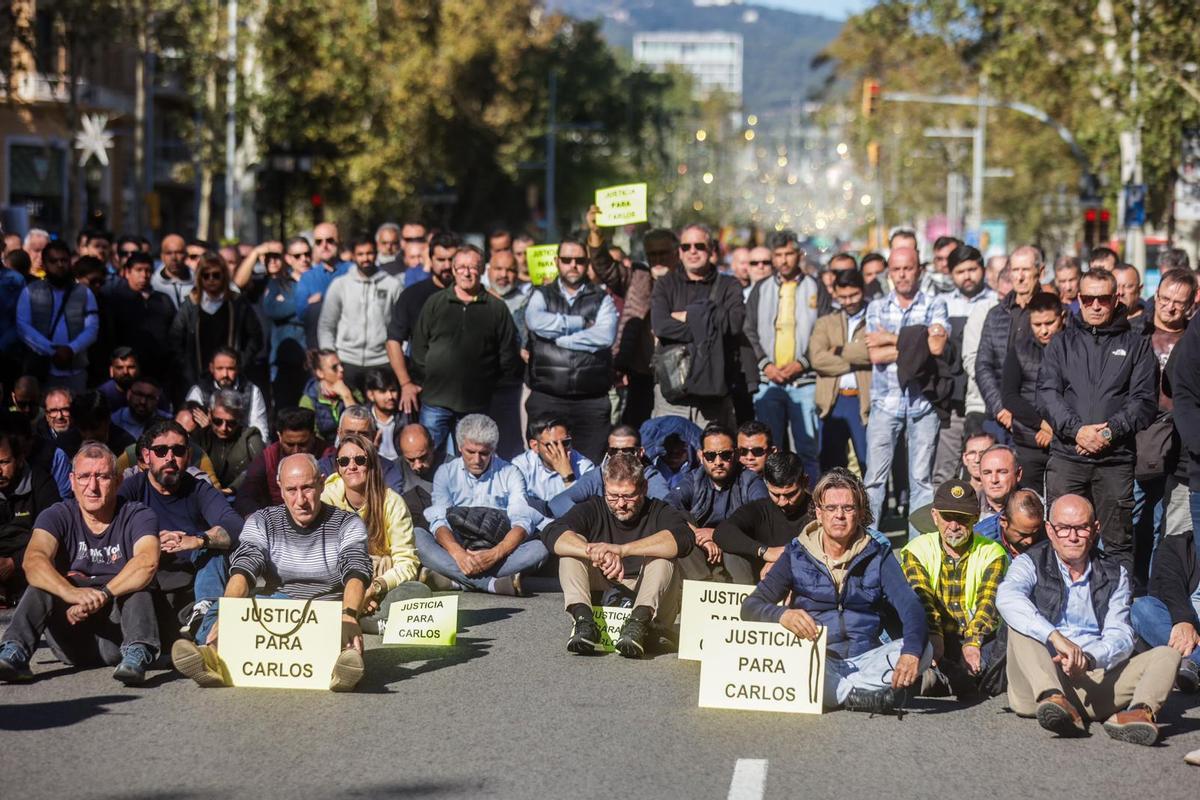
x=26, y=490
x=142, y=407
x=224, y=372
x=754, y=444
x=621, y=439
x=1023, y=522
x=230, y=443
x=89, y=563
x=196, y=526
x=1170, y=613
x=625, y=541
x=303, y=549
x=1069, y=644
x=484, y=489
x=295, y=434
x=1000, y=474
x=755, y=536
x=551, y=464
x=836, y=576
x=955, y=573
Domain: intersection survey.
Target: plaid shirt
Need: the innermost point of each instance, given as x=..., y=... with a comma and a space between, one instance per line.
x=884, y=313
x=945, y=609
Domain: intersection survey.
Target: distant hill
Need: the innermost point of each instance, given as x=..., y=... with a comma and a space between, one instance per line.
x=778, y=45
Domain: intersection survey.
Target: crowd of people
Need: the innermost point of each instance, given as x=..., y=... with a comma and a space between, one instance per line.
x=402, y=413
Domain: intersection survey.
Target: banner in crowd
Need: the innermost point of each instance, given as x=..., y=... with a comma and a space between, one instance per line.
x=761, y=666
x=702, y=602
x=279, y=644
x=542, y=261
x=610, y=620
x=621, y=205
x=422, y=621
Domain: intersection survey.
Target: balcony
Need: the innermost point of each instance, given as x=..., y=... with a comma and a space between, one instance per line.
x=37, y=87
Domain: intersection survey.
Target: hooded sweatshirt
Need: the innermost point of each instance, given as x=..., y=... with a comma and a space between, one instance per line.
x=355, y=314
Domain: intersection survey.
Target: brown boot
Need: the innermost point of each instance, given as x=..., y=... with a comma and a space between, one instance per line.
x=1134, y=725
x=1055, y=713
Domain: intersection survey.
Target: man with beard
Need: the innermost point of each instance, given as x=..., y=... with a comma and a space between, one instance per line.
x=442, y=248
x=141, y=408
x=955, y=573
x=124, y=367
x=58, y=320
x=230, y=443
x=224, y=372
x=838, y=353
x=755, y=536
x=57, y=418
x=197, y=528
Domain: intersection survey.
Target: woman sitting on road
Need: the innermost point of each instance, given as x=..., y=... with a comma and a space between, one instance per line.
x=358, y=487
x=326, y=393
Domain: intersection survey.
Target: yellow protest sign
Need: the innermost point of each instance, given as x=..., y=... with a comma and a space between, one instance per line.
x=621, y=205
x=543, y=263
x=761, y=666
x=610, y=620
x=704, y=601
x=279, y=644
x=423, y=621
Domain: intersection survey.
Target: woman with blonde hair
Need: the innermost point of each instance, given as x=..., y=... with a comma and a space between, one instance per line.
x=358, y=487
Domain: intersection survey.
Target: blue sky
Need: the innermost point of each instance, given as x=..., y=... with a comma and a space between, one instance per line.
x=837, y=9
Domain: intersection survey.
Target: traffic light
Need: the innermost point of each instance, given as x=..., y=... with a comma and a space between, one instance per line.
x=1104, y=220
x=871, y=95
x=1095, y=227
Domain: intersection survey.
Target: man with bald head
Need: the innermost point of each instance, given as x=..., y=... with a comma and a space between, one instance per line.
x=175, y=278
x=305, y=550
x=999, y=474
x=901, y=409
x=417, y=464
x=311, y=288
x=1070, y=639
x=1008, y=319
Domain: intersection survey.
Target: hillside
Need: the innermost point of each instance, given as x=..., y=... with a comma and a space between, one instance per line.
x=778, y=45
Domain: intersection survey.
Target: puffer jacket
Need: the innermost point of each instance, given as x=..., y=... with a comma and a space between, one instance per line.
x=1003, y=322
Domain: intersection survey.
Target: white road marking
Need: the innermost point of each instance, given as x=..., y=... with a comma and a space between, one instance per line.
x=749, y=779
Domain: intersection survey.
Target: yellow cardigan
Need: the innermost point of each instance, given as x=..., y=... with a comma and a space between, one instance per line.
x=405, y=563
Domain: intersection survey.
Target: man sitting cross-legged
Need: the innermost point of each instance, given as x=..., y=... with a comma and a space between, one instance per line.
x=625, y=539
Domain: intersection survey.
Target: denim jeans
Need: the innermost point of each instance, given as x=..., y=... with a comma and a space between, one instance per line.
x=440, y=423
x=883, y=430
x=843, y=425
x=1148, y=507
x=1152, y=621
x=870, y=671
x=528, y=556
x=212, y=573
x=794, y=409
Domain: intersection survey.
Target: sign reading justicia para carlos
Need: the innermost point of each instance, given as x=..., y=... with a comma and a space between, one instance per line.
x=279, y=644
x=761, y=666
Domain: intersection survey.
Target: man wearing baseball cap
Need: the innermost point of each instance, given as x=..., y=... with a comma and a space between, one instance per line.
x=955, y=573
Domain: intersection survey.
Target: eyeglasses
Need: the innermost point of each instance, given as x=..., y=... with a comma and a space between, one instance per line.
x=58, y=412
x=757, y=452
x=573, y=259
x=87, y=477
x=621, y=498
x=846, y=509
x=302, y=254
x=760, y=263
x=632, y=451
x=359, y=461
x=1105, y=300
x=566, y=443
x=1066, y=531
x=127, y=253
x=414, y=239
x=712, y=455
x=326, y=241
x=161, y=450
x=701, y=246
x=224, y=422
x=193, y=256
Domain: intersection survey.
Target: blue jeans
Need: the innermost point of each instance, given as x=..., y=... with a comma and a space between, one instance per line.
x=1148, y=508
x=843, y=425
x=794, y=408
x=870, y=671
x=883, y=430
x=1152, y=622
x=212, y=573
x=440, y=423
x=528, y=556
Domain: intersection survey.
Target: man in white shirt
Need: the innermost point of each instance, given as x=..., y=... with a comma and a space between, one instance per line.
x=551, y=465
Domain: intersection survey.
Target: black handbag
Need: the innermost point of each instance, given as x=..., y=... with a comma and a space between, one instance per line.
x=479, y=527
x=673, y=363
x=1157, y=449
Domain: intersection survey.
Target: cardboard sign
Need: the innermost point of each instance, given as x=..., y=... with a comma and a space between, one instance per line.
x=610, y=620
x=543, y=263
x=702, y=602
x=621, y=205
x=280, y=644
x=423, y=621
x=761, y=666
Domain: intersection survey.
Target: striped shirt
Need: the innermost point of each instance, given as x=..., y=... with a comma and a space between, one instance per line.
x=303, y=563
x=885, y=314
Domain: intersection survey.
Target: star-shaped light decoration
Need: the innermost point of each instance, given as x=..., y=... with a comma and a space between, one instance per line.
x=93, y=139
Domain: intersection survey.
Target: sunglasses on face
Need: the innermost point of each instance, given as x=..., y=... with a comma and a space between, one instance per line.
x=128, y=253
x=414, y=239
x=757, y=452
x=359, y=461
x=713, y=455
x=210, y=276
x=1105, y=300
x=612, y=451
x=161, y=450
x=760, y=263
x=326, y=241
x=566, y=443
x=222, y=422
x=302, y=254
x=701, y=246
x=572, y=259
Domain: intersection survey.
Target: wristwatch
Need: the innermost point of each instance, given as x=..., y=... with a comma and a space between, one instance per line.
x=104, y=590
x=203, y=539
x=762, y=551
x=350, y=612
x=1106, y=434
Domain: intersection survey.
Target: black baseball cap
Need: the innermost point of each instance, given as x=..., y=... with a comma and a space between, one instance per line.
x=956, y=497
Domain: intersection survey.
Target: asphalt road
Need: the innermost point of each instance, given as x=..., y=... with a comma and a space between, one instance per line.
x=508, y=713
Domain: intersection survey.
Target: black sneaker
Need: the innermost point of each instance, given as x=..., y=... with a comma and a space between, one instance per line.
x=585, y=636
x=132, y=669
x=14, y=664
x=876, y=701
x=1188, y=678
x=632, y=641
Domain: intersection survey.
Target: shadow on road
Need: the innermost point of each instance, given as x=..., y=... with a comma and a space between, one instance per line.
x=471, y=617
x=57, y=713
x=417, y=789
x=385, y=665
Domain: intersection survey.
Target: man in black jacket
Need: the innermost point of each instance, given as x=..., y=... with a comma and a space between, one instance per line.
x=139, y=317
x=1097, y=388
x=1004, y=322
x=702, y=310
x=1170, y=613
x=755, y=536
x=25, y=492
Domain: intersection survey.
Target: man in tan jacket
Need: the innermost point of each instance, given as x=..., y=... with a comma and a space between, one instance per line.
x=838, y=353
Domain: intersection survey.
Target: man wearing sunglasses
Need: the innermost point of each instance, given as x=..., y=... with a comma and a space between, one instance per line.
x=311, y=288
x=1097, y=386
x=622, y=439
x=230, y=443
x=572, y=326
x=551, y=464
x=1070, y=641
x=196, y=525
x=701, y=310
x=955, y=573
x=754, y=444
x=710, y=495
